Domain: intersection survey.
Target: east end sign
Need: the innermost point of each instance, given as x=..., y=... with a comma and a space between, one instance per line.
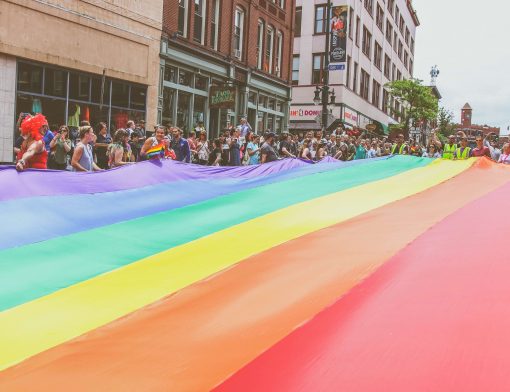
x=222, y=98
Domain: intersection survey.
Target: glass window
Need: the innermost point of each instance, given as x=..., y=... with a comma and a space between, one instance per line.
x=138, y=97
x=97, y=88
x=278, y=106
x=53, y=108
x=268, y=62
x=30, y=78
x=79, y=87
x=199, y=109
x=297, y=23
x=185, y=78
x=201, y=82
x=278, y=124
x=252, y=98
x=182, y=24
x=317, y=72
x=168, y=106
x=238, y=32
x=260, y=43
x=183, y=109
x=170, y=74
x=270, y=122
x=215, y=18
x=55, y=82
x=120, y=94
x=295, y=70
x=271, y=104
x=320, y=19
x=198, y=22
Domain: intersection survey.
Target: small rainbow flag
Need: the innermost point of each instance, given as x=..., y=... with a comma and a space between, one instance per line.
x=156, y=151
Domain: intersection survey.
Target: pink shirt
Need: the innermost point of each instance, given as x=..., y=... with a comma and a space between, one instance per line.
x=483, y=152
x=504, y=158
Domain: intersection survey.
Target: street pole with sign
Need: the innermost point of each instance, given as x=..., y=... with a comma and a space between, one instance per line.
x=325, y=88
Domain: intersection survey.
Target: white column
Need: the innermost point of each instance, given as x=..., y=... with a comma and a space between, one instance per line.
x=7, y=106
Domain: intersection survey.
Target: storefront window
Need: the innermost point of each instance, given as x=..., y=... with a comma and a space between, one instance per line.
x=252, y=98
x=199, y=109
x=55, y=83
x=201, y=82
x=271, y=104
x=278, y=124
x=138, y=98
x=168, y=106
x=120, y=94
x=170, y=74
x=97, y=87
x=53, y=108
x=261, y=126
x=30, y=78
x=185, y=78
x=83, y=103
x=183, y=109
x=278, y=106
x=79, y=87
x=270, y=123
x=262, y=101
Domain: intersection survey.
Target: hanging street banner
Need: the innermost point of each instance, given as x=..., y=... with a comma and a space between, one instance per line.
x=338, y=39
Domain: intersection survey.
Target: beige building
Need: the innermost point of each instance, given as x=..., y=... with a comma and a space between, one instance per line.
x=75, y=60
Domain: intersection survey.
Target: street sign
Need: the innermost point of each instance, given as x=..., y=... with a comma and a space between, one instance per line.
x=336, y=67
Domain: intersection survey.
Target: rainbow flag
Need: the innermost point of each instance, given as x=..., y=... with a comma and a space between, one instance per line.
x=383, y=274
x=156, y=151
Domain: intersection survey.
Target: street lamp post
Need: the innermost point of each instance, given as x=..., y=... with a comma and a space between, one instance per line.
x=322, y=94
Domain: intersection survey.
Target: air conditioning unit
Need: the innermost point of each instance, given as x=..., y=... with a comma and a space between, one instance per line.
x=237, y=53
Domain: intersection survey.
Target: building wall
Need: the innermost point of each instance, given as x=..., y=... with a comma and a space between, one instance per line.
x=309, y=43
x=7, y=94
x=261, y=94
x=280, y=19
x=121, y=37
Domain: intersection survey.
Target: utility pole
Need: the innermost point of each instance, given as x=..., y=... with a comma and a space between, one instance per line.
x=325, y=88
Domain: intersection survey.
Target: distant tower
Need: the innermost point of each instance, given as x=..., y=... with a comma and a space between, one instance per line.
x=466, y=115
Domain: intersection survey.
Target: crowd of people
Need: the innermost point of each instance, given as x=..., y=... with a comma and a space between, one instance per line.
x=40, y=147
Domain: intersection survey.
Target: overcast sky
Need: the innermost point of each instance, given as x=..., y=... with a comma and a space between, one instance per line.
x=468, y=40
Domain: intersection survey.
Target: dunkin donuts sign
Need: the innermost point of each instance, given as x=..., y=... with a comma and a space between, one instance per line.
x=304, y=113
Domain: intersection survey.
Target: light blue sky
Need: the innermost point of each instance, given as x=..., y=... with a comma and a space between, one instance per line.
x=468, y=40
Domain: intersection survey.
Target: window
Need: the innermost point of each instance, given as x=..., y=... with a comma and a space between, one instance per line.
x=406, y=58
x=401, y=25
x=395, y=40
x=355, y=78
x=399, y=75
x=357, y=30
x=295, y=70
x=318, y=68
x=279, y=48
x=377, y=55
x=215, y=19
x=30, y=78
x=376, y=93
x=379, y=18
x=389, y=31
x=238, y=32
x=397, y=14
x=411, y=67
x=412, y=46
x=367, y=42
x=407, y=36
x=260, y=43
x=391, y=4
x=364, y=84
x=268, y=60
x=351, y=17
x=369, y=6
x=387, y=66
x=170, y=74
x=199, y=21
x=182, y=23
x=55, y=83
x=385, y=101
x=393, y=72
x=320, y=19
x=297, y=22
x=400, y=48
x=348, y=73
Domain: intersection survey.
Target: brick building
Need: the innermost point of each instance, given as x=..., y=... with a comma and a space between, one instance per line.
x=223, y=59
x=472, y=130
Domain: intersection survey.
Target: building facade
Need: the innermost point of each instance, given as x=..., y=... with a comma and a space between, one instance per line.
x=380, y=43
x=94, y=60
x=472, y=130
x=224, y=59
